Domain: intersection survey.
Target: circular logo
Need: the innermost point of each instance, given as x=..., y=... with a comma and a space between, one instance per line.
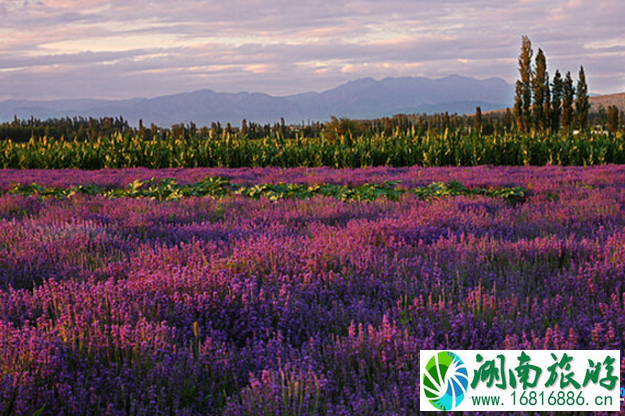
x=445, y=380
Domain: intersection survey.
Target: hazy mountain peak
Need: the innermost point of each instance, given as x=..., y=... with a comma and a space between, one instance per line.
x=360, y=98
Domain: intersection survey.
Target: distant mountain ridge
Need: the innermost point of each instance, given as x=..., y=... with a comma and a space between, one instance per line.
x=596, y=103
x=618, y=99
x=360, y=99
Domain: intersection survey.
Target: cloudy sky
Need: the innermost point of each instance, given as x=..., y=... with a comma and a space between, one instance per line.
x=145, y=48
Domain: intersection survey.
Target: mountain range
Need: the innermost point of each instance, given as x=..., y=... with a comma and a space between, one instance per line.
x=360, y=99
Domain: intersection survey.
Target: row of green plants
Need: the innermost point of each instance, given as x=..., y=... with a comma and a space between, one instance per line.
x=169, y=189
x=400, y=148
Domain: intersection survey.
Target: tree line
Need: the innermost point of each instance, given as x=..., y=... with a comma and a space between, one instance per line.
x=68, y=128
x=91, y=129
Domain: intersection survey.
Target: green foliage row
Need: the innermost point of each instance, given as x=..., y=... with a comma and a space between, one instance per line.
x=400, y=148
x=170, y=190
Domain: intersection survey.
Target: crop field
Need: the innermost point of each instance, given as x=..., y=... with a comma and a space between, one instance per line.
x=299, y=291
x=409, y=146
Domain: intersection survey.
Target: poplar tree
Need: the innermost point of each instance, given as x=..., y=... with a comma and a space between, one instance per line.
x=581, y=103
x=523, y=99
x=540, y=87
x=568, y=95
x=509, y=120
x=556, y=101
x=244, y=128
x=518, y=106
x=477, y=122
x=612, y=118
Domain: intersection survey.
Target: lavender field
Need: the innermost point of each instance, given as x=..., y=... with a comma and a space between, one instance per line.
x=316, y=306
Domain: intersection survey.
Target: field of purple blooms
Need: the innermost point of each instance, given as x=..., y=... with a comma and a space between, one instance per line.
x=237, y=306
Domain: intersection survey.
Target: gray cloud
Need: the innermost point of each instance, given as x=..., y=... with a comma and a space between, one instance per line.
x=123, y=49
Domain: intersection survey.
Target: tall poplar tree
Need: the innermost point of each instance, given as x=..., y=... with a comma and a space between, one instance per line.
x=556, y=101
x=523, y=99
x=581, y=102
x=568, y=96
x=540, y=87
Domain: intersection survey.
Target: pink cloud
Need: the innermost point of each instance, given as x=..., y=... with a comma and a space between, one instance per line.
x=275, y=45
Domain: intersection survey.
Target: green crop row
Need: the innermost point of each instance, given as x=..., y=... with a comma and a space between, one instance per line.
x=170, y=190
x=402, y=148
